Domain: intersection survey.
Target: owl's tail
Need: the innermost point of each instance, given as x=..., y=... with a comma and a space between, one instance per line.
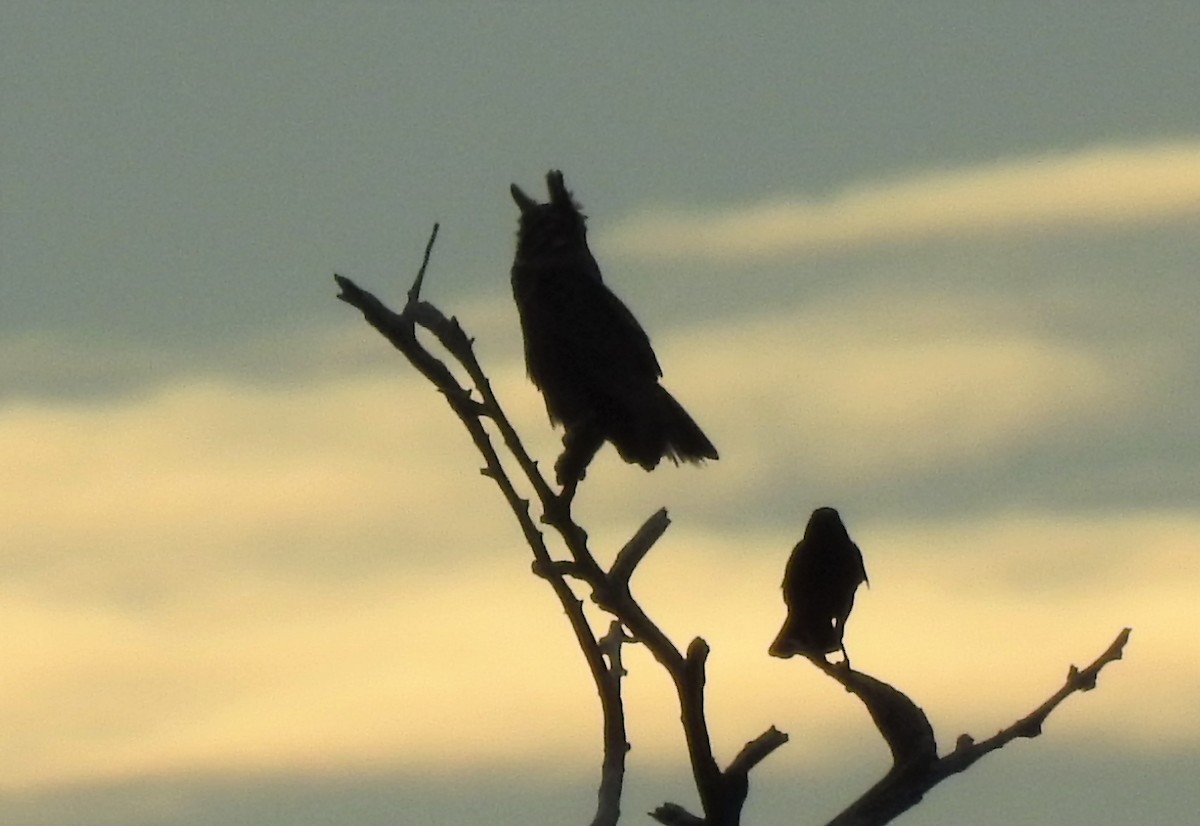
x=651, y=424
x=684, y=441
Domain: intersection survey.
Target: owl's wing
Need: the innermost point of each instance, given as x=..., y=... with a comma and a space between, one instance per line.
x=590, y=329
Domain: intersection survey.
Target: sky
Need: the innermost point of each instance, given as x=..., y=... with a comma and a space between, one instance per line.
x=933, y=265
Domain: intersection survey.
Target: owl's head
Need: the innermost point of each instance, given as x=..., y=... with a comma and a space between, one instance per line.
x=553, y=226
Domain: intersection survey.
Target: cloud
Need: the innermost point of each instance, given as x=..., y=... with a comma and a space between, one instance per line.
x=1099, y=188
x=72, y=365
x=253, y=672
x=982, y=604
x=900, y=384
x=430, y=669
x=216, y=574
x=277, y=474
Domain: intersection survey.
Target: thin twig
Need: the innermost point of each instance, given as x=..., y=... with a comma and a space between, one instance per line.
x=414, y=292
x=967, y=752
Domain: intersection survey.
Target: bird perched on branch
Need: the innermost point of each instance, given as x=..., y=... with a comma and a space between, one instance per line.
x=822, y=574
x=586, y=352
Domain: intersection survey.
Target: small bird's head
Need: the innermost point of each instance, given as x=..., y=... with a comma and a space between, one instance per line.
x=825, y=515
x=553, y=226
x=825, y=522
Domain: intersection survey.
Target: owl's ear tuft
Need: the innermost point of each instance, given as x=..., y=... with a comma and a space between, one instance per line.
x=559, y=196
x=526, y=203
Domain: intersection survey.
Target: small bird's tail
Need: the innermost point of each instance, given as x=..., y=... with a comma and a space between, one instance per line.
x=801, y=635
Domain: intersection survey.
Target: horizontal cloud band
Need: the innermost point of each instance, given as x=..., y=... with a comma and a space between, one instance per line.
x=1099, y=187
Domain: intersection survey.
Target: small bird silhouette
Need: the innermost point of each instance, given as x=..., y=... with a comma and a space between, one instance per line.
x=586, y=352
x=822, y=574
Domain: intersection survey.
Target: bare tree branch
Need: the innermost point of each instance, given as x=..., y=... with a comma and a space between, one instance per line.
x=967, y=752
x=756, y=751
x=399, y=329
x=915, y=766
x=672, y=814
x=635, y=550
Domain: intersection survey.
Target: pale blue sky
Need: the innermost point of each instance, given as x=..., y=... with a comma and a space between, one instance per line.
x=930, y=263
